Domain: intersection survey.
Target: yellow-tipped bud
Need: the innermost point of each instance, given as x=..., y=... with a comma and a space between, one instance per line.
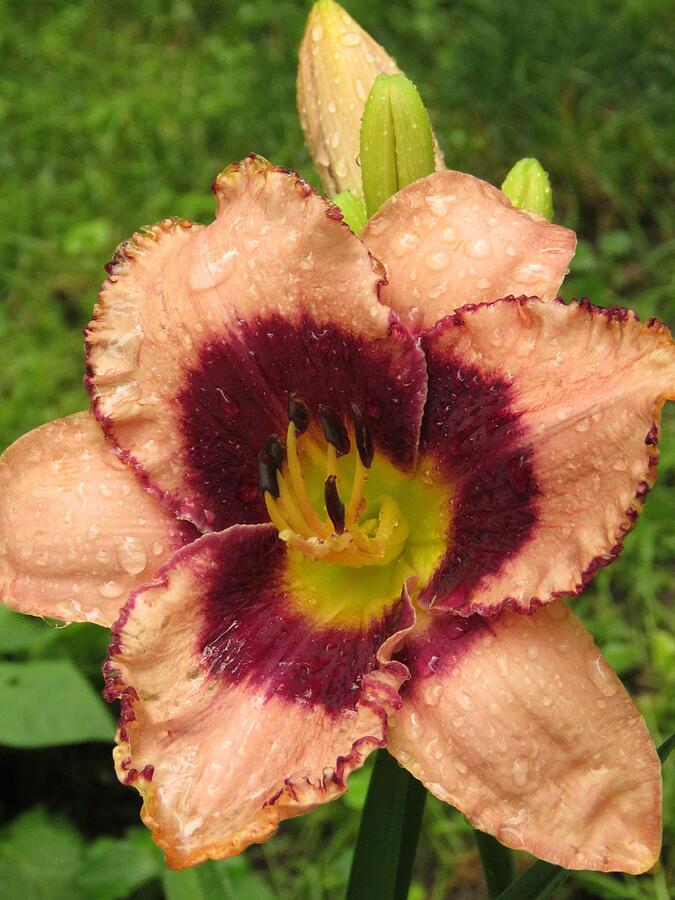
x=339, y=62
x=528, y=187
x=397, y=145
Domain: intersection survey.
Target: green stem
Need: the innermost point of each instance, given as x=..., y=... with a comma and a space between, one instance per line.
x=498, y=863
x=388, y=833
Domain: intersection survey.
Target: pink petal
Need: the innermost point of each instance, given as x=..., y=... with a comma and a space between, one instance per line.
x=546, y=417
x=77, y=531
x=521, y=724
x=202, y=333
x=238, y=709
x=452, y=239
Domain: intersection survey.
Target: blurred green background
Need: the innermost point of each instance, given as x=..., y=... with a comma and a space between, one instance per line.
x=116, y=115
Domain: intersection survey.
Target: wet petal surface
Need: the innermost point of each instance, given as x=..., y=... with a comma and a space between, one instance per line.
x=239, y=707
x=77, y=530
x=452, y=239
x=202, y=334
x=545, y=416
x=519, y=723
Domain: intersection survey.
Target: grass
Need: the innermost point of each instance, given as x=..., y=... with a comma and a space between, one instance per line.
x=116, y=116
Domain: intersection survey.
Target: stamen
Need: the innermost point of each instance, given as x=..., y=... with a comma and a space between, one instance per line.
x=274, y=513
x=334, y=430
x=290, y=510
x=298, y=413
x=298, y=484
x=362, y=436
x=276, y=450
x=334, y=505
x=267, y=474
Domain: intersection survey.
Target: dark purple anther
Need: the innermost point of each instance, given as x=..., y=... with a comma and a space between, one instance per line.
x=334, y=430
x=362, y=436
x=267, y=474
x=276, y=450
x=334, y=506
x=298, y=413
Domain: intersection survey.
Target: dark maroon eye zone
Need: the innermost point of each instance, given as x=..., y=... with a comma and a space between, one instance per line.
x=247, y=384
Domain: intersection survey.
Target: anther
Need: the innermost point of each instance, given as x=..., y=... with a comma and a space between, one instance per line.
x=334, y=430
x=362, y=436
x=298, y=413
x=267, y=474
x=334, y=505
x=276, y=450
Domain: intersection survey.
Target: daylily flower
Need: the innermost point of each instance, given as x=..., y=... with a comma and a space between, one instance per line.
x=356, y=487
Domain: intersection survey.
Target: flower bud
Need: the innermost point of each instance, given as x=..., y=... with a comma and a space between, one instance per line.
x=397, y=145
x=353, y=210
x=339, y=62
x=527, y=186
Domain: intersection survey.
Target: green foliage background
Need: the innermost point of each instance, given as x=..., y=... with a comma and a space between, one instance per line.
x=116, y=115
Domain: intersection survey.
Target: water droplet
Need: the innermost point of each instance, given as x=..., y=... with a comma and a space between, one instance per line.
x=404, y=243
x=530, y=273
x=533, y=651
x=464, y=700
x=105, y=489
x=546, y=700
x=519, y=771
x=582, y=425
x=110, y=589
x=483, y=284
x=332, y=108
x=361, y=92
x=247, y=491
x=335, y=140
x=317, y=33
x=157, y=548
x=479, y=249
x=229, y=406
x=437, y=261
x=131, y=555
x=600, y=673
x=349, y=39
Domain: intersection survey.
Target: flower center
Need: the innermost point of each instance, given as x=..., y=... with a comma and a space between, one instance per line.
x=355, y=531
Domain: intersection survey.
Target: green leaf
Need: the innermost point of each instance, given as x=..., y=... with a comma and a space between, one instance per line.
x=21, y=634
x=497, y=861
x=536, y=883
x=227, y=879
x=47, y=703
x=666, y=747
x=388, y=833
x=39, y=858
x=112, y=868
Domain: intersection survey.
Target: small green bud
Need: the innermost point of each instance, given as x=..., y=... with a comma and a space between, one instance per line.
x=527, y=186
x=353, y=210
x=397, y=145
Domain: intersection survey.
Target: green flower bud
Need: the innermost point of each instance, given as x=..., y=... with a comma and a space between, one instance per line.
x=397, y=145
x=527, y=186
x=353, y=209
